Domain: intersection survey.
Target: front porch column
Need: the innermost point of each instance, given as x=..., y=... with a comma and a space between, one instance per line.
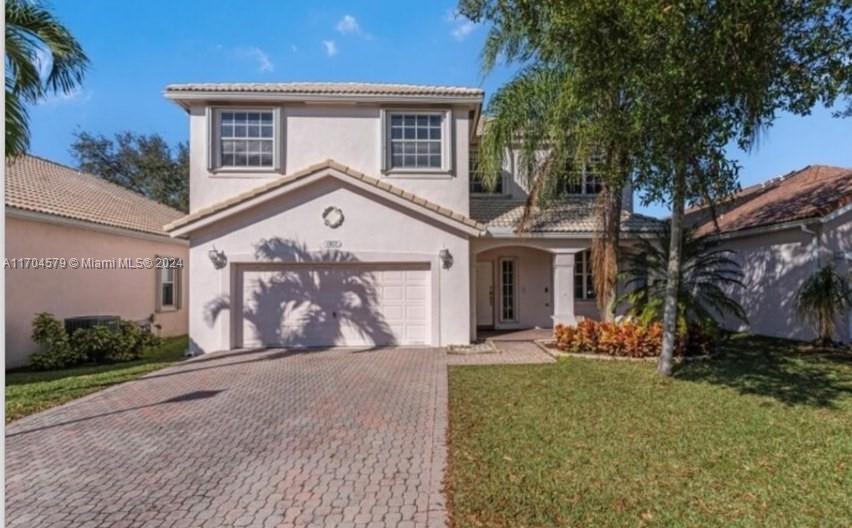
x=563, y=289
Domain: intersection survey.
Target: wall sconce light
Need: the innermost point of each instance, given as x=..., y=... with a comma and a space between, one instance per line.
x=218, y=258
x=446, y=258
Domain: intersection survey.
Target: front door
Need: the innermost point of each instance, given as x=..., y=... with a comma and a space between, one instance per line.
x=484, y=294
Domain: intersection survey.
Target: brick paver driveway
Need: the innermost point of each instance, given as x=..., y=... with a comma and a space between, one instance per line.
x=268, y=438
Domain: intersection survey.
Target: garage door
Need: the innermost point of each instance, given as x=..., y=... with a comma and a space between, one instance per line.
x=335, y=305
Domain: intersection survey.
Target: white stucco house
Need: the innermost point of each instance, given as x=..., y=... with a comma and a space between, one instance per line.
x=346, y=214
x=782, y=231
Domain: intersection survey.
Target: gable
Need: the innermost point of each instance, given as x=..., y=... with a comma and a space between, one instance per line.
x=378, y=190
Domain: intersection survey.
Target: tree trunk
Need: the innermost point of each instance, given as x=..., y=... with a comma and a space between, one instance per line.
x=605, y=250
x=664, y=365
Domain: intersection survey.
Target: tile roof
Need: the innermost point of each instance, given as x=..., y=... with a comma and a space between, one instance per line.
x=313, y=169
x=328, y=88
x=812, y=192
x=39, y=185
x=569, y=215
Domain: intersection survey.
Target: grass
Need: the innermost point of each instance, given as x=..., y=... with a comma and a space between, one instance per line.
x=759, y=436
x=28, y=392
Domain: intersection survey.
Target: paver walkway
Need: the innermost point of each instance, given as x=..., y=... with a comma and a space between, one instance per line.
x=264, y=438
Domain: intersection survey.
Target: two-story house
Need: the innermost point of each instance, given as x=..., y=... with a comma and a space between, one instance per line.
x=346, y=214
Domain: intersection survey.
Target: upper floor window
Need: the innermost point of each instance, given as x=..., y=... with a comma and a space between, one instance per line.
x=585, y=180
x=246, y=138
x=416, y=140
x=476, y=184
x=584, y=286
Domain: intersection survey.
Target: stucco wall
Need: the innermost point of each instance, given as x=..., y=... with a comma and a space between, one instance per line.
x=347, y=134
x=130, y=294
x=775, y=266
x=373, y=230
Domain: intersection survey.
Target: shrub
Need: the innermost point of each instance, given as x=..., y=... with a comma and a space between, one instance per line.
x=56, y=350
x=628, y=339
x=103, y=344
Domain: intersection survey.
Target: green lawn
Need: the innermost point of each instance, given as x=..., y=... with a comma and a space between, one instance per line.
x=28, y=392
x=760, y=436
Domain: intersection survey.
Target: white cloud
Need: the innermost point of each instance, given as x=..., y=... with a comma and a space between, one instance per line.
x=75, y=96
x=264, y=63
x=461, y=26
x=348, y=24
x=251, y=54
x=330, y=47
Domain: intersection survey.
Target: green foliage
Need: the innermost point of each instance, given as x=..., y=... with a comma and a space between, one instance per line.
x=709, y=275
x=145, y=164
x=28, y=392
x=56, y=351
x=32, y=32
x=630, y=338
x=822, y=299
x=105, y=344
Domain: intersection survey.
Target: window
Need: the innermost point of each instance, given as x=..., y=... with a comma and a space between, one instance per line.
x=168, y=288
x=584, y=286
x=476, y=184
x=416, y=140
x=507, y=290
x=586, y=180
x=246, y=138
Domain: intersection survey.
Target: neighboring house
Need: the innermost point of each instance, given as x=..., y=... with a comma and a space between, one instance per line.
x=783, y=231
x=346, y=214
x=56, y=212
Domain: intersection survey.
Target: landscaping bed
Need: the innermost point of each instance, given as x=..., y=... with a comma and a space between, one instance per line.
x=29, y=391
x=760, y=436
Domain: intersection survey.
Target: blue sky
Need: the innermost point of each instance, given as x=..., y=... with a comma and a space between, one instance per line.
x=137, y=48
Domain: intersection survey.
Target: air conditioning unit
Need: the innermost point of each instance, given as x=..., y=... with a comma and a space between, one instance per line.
x=72, y=324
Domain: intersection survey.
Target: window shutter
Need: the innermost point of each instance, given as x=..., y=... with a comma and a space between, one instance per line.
x=211, y=138
x=279, y=148
x=383, y=140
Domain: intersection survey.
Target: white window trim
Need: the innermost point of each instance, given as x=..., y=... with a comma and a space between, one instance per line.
x=586, y=274
x=447, y=144
x=176, y=288
x=515, y=303
x=214, y=143
x=583, y=181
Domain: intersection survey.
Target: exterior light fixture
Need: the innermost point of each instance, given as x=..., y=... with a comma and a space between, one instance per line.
x=217, y=257
x=446, y=258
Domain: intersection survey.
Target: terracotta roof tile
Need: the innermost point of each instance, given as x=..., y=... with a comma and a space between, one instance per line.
x=290, y=178
x=39, y=185
x=570, y=215
x=812, y=192
x=328, y=88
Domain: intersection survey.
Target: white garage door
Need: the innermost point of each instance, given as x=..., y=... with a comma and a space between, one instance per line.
x=335, y=305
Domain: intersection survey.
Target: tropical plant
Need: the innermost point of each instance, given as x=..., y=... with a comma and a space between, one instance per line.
x=709, y=275
x=821, y=299
x=145, y=164
x=56, y=350
x=557, y=112
x=42, y=57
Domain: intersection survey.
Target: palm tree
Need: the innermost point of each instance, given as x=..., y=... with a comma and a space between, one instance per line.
x=823, y=297
x=708, y=275
x=34, y=37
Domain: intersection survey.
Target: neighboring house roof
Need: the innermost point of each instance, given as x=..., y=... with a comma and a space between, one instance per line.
x=812, y=192
x=346, y=172
x=569, y=215
x=38, y=185
x=308, y=91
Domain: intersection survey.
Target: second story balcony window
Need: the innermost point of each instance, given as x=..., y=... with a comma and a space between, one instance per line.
x=477, y=186
x=585, y=180
x=245, y=139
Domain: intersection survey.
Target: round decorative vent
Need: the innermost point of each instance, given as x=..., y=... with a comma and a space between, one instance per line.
x=333, y=217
